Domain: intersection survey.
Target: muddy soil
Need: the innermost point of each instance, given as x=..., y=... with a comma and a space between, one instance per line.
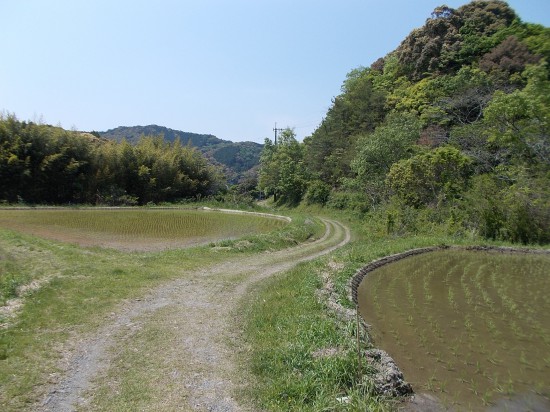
x=200, y=309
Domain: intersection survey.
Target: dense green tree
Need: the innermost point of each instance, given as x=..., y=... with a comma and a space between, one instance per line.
x=359, y=109
x=14, y=160
x=461, y=107
x=509, y=205
x=432, y=176
x=378, y=151
x=282, y=171
x=452, y=38
x=520, y=121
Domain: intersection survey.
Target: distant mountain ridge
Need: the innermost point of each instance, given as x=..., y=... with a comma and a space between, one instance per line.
x=237, y=157
x=133, y=133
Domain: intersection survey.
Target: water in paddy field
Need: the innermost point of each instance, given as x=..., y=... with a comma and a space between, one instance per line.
x=471, y=327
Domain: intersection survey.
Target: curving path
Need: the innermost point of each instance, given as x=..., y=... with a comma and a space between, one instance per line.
x=198, y=371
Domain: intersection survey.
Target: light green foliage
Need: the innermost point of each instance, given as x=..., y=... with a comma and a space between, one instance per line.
x=520, y=121
x=390, y=142
x=282, y=170
x=433, y=176
x=410, y=97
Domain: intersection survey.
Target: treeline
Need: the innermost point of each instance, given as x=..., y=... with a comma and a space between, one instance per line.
x=448, y=132
x=41, y=164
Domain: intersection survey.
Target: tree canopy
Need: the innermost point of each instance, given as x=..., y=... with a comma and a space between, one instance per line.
x=452, y=126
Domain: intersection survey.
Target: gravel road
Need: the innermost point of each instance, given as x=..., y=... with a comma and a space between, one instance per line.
x=202, y=372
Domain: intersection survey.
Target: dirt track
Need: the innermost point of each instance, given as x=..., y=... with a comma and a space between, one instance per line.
x=198, y=370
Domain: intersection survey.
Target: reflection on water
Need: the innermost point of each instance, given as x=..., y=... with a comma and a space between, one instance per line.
x=471, y=327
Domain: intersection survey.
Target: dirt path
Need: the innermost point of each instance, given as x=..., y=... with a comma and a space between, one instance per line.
x=196, y=365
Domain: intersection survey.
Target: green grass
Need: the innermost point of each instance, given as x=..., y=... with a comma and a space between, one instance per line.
x=18, y=259
x=12, y=275
x=286, y=324
x=80, y=288
x=287, y=330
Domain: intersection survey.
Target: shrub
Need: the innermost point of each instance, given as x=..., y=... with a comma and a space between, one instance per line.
x=318, y=192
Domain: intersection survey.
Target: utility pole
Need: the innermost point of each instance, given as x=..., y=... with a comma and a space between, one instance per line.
x=276, y=130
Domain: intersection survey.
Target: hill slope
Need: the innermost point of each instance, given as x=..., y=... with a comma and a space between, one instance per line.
x=451, y=128
x=237, y=158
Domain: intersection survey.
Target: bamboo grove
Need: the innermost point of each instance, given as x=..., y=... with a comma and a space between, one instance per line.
x=41, y=164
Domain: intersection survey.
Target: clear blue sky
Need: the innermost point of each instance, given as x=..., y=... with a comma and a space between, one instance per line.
x=231, y=68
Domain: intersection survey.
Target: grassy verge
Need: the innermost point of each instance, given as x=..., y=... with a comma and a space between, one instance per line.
x=300, y=356
x=78, y=290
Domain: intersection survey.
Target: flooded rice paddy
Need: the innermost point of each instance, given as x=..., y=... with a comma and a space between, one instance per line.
x=137, y=229
x=471, y=327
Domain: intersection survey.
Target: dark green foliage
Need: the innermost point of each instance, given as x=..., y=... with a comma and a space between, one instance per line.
x=452, y=38
x=318, y=192
x=239, y=157
x=519, y=211
x=44, y=164
x=133, y=135
x=359, y=109
x=354, y=201
x=510, y=56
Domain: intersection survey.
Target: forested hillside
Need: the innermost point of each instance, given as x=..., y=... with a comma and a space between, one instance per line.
x=45, y=164
x=450, y=131
x=237, y=158
x=134, y=133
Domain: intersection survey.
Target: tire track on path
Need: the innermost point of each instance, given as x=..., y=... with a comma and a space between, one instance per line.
x=198, y=370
